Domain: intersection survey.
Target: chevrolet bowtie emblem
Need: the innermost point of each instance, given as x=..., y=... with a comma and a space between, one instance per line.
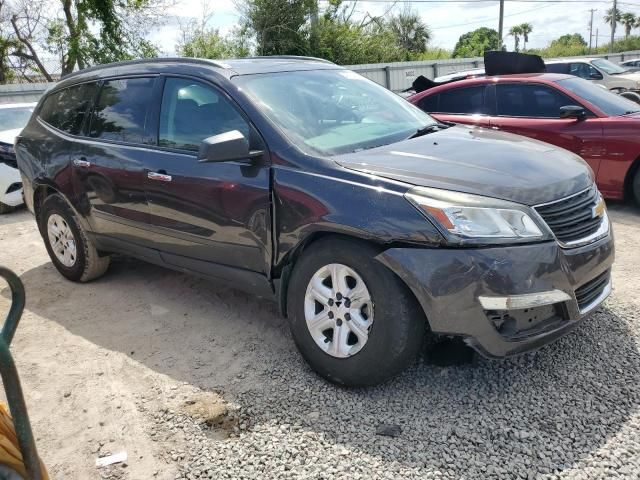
x=598, y=209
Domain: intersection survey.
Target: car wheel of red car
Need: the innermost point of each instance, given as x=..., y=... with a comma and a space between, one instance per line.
x=635, y=186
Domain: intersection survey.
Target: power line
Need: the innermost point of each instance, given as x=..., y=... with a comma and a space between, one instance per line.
x=491, y=19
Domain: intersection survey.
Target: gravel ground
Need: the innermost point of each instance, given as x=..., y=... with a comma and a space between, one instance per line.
x=197, y=381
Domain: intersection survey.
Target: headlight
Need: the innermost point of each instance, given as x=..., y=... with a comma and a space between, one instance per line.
x=466, y=218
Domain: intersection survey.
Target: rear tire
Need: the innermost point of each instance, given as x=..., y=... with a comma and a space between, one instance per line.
x=70, y=249
x=384, y=323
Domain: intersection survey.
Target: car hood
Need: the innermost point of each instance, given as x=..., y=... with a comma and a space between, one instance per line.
x=631, y=76
x=9, y=136
x=479, y=161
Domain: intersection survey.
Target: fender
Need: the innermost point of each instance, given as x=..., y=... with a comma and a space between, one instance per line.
x=308, y=204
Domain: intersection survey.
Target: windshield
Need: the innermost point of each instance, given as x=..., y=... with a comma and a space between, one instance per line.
x=333, y=111
x=608, y=67
x=608, y=102
x=11, y=118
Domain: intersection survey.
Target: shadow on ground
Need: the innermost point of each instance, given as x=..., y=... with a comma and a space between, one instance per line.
x=493, y=412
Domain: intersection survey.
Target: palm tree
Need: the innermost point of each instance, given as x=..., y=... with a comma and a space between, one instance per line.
x=411, y=33
x=525, y=30
x=516, y=31
x=609, y=18
x=629, y=21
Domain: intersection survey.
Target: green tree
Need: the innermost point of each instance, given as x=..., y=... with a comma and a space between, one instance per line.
x=612, y=19
x=343, y=40
x=102, y=31
x=206, y=44
x=628, y=20
x=200, y=41
x=412, y=34
x=525, y=29
x=85, y=32
x=515, y=32
x=569, y=39
x=280, y=27
x=475, y=43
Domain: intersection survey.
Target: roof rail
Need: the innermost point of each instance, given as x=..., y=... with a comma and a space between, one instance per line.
x=141, y=61
x=290, y=57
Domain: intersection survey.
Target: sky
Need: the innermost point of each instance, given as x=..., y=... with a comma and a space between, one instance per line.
x=447, y=20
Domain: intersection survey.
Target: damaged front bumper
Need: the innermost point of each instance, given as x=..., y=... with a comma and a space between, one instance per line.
x=507, y=300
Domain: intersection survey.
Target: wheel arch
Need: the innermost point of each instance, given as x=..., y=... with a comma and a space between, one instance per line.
x=288, y=263
x=44, y=189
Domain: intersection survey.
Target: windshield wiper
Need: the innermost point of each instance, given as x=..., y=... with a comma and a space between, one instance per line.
x=434, y=127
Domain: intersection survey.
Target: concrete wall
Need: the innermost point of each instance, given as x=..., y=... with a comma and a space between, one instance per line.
x=22, y=92
x=395, y=76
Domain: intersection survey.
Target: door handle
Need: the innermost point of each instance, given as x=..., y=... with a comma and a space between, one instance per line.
x=160, y=177
x=81, y=162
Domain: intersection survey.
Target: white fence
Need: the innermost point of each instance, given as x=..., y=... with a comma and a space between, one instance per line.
x=394, y=76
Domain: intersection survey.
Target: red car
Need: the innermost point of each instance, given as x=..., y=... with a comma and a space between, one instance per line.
x=567, y=111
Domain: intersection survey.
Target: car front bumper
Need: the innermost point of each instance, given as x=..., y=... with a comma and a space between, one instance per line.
x=507, y=300
x=10, y=178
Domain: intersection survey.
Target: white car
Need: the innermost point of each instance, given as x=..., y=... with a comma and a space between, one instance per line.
x=598, y=70
x=631, y=65
x=13, y=117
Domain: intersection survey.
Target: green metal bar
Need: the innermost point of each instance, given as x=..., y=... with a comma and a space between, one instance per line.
x=11, y=380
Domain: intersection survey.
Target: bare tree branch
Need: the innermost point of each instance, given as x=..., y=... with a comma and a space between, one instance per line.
x=27, y=43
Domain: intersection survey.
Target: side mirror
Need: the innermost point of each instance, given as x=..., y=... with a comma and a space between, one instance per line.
x=595, y=76
x=573, y=111
x=232, y=145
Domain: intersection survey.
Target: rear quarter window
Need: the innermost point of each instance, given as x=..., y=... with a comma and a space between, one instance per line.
x=66, y=109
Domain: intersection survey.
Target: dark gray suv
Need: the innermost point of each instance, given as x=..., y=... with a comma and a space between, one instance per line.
x=370, y=223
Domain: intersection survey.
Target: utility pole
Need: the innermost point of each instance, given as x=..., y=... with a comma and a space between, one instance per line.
x=501, y=23
x=614, y=23
x=597, y=39
x=591, y=29
x=314, y=26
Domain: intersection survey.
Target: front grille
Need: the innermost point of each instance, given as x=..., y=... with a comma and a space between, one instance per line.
x=572, y=218
x=591, y=290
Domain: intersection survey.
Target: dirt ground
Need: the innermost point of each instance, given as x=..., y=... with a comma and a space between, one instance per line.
x=99, y=361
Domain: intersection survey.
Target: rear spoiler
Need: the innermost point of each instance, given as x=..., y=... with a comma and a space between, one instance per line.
x=496, y=62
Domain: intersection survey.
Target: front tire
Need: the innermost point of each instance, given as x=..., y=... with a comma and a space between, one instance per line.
x=70, y=249
x=635, y=187
x=353, y=320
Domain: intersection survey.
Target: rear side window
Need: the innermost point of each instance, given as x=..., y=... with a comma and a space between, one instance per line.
x=429, y=103
x=66, y=109
x=192, y=111
x=122, y=110
x=535, y=101
x=464, y=101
